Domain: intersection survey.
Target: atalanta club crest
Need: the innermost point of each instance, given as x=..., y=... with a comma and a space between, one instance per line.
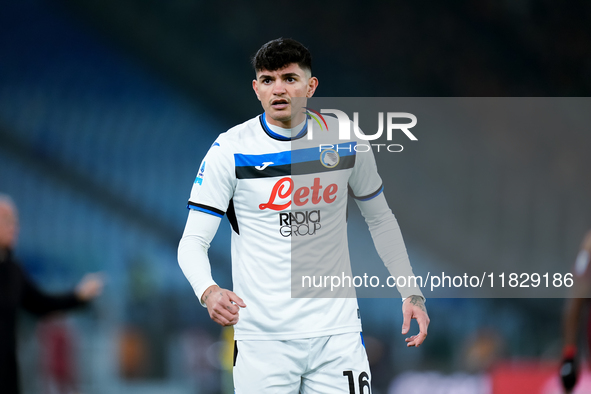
x=329, y=158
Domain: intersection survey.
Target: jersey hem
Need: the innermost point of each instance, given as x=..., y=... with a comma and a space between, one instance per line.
x=263, y=336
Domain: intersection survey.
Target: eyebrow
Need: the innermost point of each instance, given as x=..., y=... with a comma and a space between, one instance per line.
x=265, y=76
x=286, y=75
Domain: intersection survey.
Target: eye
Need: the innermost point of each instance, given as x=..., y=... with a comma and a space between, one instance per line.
x=267, y=81
x=290, y=79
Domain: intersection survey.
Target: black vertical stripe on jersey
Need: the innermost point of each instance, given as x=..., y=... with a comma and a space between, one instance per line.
x=231, y=214
x=304, y=168
x=347, y=213
x=235, y=352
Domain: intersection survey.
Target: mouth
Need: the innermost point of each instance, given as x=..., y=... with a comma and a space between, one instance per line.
x=280, y=103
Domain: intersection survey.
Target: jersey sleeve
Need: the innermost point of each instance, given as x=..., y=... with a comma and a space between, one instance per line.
x=192, y=252
x=365, y=182
x=215, y=182
x=389, y=243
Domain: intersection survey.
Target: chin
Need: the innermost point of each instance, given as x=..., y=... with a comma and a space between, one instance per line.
x=280, y=117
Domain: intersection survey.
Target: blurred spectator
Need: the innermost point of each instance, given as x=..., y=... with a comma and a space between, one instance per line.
x=572, y=315
x=554, y=385
x=17, y=290
x=133, y=353
x=58, y=363
x=483, y=350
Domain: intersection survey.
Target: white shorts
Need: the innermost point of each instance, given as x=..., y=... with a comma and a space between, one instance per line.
x=330, y=364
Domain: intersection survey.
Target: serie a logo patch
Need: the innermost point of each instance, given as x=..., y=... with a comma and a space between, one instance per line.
x=200, y=174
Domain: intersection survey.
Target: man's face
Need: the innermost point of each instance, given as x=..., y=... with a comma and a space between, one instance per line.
x=8, y=225
x=277, y=90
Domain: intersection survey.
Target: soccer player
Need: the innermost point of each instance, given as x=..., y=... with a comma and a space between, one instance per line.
x=17, y=290
x=580, y=292
x=286, y=201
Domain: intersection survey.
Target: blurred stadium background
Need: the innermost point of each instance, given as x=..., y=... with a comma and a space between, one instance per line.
x=107, y=107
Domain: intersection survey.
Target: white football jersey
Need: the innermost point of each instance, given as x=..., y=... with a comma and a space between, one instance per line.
x=286, y=200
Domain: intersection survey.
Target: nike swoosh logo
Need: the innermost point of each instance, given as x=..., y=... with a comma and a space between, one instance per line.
x=265, y=165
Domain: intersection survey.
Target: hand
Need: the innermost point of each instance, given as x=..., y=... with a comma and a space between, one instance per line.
x=223, y=305
x=569, y=368
x=414, y=308
x=91, y=286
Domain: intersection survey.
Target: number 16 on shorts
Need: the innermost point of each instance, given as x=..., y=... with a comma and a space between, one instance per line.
x=362, y=382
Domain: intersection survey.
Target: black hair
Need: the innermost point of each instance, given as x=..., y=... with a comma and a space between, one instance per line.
x=281, y=52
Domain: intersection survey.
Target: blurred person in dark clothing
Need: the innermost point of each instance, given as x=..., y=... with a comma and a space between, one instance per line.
x=17, y=290
x=572, y=315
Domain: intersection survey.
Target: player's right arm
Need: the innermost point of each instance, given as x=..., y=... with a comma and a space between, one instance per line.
x=212, y=190
x=222, y=304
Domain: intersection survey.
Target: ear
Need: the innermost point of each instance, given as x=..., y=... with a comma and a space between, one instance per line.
x=312, y=85
x=256, y=88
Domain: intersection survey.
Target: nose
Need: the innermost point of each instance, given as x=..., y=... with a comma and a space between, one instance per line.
x=278, y=87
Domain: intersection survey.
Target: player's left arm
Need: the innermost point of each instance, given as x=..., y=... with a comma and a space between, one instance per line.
x=390, y=246
x=365, y=186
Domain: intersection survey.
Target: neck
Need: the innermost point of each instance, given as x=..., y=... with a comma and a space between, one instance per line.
x=287, y=124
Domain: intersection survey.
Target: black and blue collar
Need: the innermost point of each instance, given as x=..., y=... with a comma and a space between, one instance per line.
x=279, y=137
